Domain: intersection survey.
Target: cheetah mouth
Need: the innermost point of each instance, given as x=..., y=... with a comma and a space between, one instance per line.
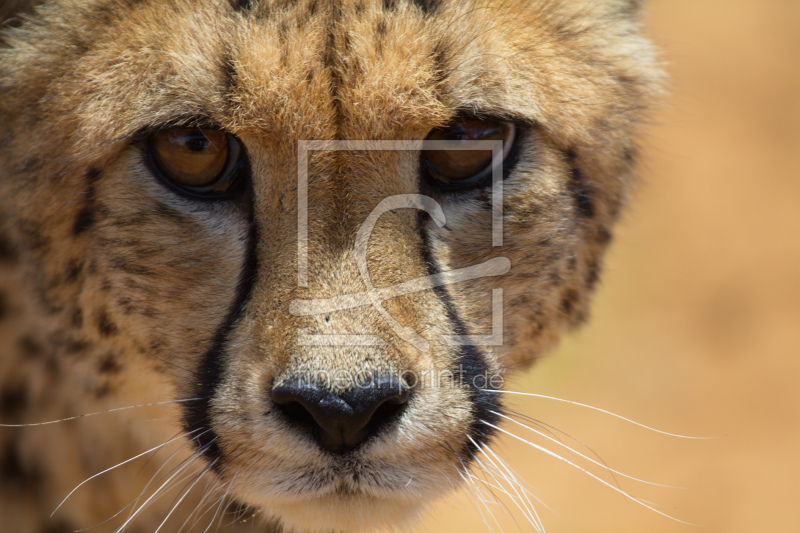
x=317, y=501
x=342, y=512
x=355, y=483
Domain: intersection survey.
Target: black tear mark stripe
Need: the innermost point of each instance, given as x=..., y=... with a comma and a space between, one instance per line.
x=471, y=365
x=208, y=376
x=579, y=187
x=86, y=216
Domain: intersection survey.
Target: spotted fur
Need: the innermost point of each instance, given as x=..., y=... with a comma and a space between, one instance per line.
x=115, y=291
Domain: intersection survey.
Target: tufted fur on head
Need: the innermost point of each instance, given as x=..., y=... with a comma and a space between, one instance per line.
x=117, y=289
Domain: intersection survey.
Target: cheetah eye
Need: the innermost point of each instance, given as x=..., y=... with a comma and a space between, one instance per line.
x=204, y=162
x=462, y=167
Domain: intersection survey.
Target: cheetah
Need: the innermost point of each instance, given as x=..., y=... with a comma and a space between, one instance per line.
x=265, y=264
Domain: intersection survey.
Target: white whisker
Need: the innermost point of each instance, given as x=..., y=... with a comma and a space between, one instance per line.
x=602, y=465
x=151, y=484
x=164, y=486
x=620, y=417
x=115, y=409
x=520, y=500
x=210, y=488
x=470, y=483
x=614, y=488
x=485, y=502
x=185, y=493
x=82, y=483
x=522, y=493
x=221, y=504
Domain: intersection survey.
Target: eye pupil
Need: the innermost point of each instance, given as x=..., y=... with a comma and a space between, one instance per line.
x=196, y=143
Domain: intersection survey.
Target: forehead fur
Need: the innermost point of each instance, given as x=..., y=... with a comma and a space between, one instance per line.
x=312, y=69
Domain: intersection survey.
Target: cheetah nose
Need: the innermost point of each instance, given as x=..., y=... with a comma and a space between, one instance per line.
x=341, y=422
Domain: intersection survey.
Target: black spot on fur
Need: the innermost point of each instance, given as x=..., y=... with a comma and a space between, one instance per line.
x=572, y=263
x=87, y=215
x=13, y=472
x=603, y=237
x=106, y=285
x=109, y=365
x=92, y=175
x=13, y=400
x=75, y=346
x=126, y=305
x=10, y=466
x=554, y=277
x=241, y=5
x=8, y=253
x=105, y=325
x=83, y=221
x=73, y=271
x=568, y=301
x=156, y=345
x=59, y=526
x=380, y=35
x=102, y=391
x=4, y=305
x=428, y=7
x=593, y=270
x=77, y=317
x=580, y=190
x=29, y=347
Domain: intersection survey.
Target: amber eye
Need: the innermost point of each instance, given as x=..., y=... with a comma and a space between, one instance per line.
x=464, y=166
x=201, y=161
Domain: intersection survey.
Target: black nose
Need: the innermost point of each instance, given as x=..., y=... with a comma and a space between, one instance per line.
x=341, y=422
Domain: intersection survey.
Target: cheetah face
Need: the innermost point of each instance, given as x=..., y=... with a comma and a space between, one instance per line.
x=329, y=229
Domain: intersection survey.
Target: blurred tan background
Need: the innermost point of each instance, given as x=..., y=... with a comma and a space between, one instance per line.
x=696, y=327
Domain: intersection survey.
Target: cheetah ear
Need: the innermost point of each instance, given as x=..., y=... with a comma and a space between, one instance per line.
x=12, y=12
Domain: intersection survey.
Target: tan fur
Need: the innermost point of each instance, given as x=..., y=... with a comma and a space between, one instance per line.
x=112, y=287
